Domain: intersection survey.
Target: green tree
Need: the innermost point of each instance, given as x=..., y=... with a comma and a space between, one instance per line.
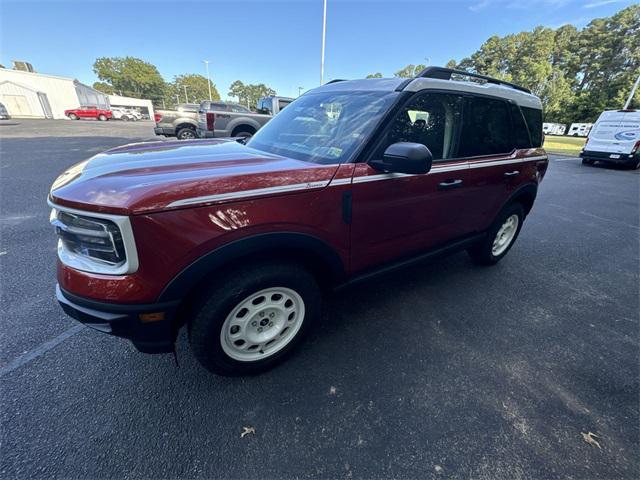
x=104, y=88
x=249, y=94
x=375, y=75
x=130, y=76
x=409, y=71
x=197, y=90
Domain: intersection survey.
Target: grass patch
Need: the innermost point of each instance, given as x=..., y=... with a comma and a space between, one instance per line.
x=564, y=145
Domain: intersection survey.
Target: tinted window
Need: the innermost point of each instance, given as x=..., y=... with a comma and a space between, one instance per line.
x=282, y=104
x=486, y=128
x=533, y=116
x=431, y=119
x=520, y=132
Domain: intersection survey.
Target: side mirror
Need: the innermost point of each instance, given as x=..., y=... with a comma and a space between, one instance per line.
x=405, y=157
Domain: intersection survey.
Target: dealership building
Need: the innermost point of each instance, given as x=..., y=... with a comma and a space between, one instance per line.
x=34, y=95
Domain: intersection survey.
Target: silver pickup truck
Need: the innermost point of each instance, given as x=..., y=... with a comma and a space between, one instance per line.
x=216, y=119
x=181, y=122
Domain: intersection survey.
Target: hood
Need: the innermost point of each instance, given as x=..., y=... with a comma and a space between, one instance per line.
x=154, y=176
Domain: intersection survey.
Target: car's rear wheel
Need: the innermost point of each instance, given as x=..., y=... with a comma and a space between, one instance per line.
x=73, y=116
x=635, y=164
x=500, y=237
x=186, y=134
x=253, y=319
x=587, y=161
x=102, y=118
x=125, y=118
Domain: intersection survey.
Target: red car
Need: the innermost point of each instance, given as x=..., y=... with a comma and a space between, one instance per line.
x=237, y=242
x=90, y=111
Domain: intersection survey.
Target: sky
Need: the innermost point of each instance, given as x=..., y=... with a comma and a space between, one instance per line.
x=277, y=43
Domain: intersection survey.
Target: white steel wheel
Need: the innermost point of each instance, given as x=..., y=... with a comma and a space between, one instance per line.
x=505, y=235
x=262, y=324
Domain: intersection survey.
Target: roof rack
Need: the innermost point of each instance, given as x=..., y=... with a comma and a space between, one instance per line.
x=336, y=81
x=442, y=73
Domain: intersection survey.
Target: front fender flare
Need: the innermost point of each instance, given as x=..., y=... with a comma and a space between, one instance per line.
x=183, y=283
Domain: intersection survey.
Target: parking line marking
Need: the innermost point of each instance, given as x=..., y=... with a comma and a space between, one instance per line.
x=39, y=351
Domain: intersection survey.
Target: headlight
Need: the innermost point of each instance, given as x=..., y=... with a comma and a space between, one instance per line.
x=96, y=243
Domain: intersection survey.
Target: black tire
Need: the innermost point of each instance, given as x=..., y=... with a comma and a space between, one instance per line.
x=186, y=134
x=73, y=116
x=102, y=118
x=635, y=164
x=208, y=318
x=246, y=134
x=587, y=161
x=125, y=118
x=482, y=252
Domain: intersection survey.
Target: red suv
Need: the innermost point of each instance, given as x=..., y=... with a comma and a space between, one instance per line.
x=90, y=111
x=237, y=242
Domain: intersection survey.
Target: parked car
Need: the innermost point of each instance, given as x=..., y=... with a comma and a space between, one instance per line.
x=181, y=122
x=90, y=111
x=272, y=105
x=125, y=115
x=4, y=115
x=224, y=119
x=614, y=138
x=237, y=242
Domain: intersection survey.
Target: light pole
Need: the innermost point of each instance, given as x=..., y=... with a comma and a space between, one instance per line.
x=324, y=35
x=633, y=91
x=206, y=62
x=186, y=99
x=300, y=90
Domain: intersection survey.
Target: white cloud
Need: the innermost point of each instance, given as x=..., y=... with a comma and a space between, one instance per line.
x=600, y=3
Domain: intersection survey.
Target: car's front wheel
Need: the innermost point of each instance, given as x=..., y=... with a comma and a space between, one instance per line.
x=254, y=318
x=500, y=237
x=587, y=161
x=73, y=116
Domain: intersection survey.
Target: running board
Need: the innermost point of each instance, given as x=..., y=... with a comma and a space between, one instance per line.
x=404, y=263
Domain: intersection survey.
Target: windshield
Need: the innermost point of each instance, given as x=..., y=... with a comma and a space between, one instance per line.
x=326, y=127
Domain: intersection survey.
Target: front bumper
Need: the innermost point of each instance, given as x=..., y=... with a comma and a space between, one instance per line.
x=148, y=333
x=624, y=158
x=205, y=133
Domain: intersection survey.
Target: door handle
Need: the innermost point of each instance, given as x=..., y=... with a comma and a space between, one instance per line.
x=450, y=184
x=512, y=174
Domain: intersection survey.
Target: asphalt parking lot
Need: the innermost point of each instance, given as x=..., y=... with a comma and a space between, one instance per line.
x=445, y=370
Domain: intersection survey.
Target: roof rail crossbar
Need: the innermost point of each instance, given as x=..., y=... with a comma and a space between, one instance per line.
x=442, y=73
x=335, y=81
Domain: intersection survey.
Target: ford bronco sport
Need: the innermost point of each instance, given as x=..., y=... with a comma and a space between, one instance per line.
x=238, y=241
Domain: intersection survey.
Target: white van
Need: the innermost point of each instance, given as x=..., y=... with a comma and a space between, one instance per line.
x=615, y=138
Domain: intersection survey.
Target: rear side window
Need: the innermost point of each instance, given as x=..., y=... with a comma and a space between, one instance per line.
x=486, y=128
x=533, y=116
x=520, y=132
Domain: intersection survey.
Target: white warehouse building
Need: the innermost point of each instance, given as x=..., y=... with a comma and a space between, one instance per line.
x=35, y=95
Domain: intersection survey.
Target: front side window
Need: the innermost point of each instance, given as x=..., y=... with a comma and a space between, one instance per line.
x=432, y=119
x=486, y=128
x=325, y=127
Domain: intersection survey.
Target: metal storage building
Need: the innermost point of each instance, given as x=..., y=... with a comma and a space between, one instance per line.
x=35, y=95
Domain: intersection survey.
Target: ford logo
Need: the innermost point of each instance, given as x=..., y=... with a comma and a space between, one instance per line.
x=629, y=135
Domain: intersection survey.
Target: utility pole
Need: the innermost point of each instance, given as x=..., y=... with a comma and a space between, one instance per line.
x=633, y=92
x=300, y=90
x=324, y=35
x=186, y=100
x=206, y=62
